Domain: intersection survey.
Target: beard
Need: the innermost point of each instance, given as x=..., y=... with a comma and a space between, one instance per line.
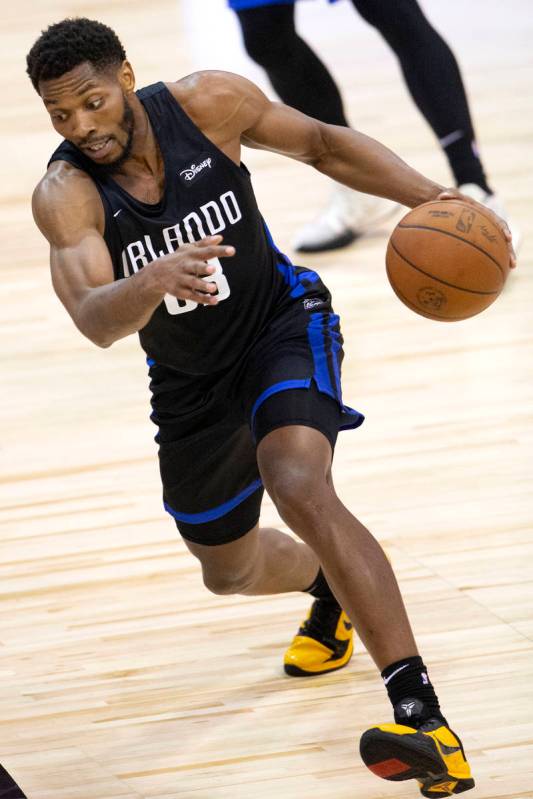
x=127, y=125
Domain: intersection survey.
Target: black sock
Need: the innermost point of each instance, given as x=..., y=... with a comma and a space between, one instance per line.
x=466, y=166
x=320, y=589
x=408, y=679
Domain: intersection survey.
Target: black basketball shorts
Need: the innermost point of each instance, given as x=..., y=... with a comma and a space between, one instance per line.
x=209, y=432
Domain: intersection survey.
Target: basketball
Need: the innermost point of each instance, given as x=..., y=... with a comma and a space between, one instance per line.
x=447, y=260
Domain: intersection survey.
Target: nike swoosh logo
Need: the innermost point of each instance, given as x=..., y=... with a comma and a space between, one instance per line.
x=117, y=212
x=449, y=750
x=386, y=680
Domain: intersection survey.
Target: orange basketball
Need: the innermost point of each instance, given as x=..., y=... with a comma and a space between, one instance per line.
x=447, y=260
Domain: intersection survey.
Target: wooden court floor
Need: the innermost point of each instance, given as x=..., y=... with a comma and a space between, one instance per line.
x=120, y=675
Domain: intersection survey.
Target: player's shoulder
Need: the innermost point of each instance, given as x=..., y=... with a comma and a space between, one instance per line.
x=214, y=95
x=65, y=195
x=63, y=179
x=215, y=83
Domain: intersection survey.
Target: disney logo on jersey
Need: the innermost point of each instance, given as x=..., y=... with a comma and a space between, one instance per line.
x=194, y=171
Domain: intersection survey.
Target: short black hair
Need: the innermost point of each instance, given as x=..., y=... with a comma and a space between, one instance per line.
x=72, y=42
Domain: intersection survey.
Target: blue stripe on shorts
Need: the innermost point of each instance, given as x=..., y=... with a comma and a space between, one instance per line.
x=240, y=5
x=214, y=513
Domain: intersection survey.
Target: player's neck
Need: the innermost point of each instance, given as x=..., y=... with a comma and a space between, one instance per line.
x=145, y=159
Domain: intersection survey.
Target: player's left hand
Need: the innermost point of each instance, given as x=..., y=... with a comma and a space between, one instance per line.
x=454, y=194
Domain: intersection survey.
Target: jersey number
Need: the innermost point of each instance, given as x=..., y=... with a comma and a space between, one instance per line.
x=176, y=306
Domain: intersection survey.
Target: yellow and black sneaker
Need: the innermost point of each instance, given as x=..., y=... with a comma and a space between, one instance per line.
x=323, y=643
x=430, y=753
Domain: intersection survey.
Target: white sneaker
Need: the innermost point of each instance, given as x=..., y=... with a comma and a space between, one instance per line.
x=493, y=202
x=347, y=216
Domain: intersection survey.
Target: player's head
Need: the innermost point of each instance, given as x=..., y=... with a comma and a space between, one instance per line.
x=79, y=68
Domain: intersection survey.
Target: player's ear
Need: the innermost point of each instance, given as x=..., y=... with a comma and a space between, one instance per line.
x=126, y=77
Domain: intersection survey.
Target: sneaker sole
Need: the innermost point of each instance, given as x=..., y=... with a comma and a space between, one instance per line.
x=405, y=757
x=348, y=237
x=295, y=671
x=331, y=244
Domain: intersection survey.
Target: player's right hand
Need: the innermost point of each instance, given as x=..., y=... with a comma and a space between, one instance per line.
x=180, y=273
x=455, y=194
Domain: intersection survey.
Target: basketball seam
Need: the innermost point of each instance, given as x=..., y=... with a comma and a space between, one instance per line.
x=438, y=279
x=454, y=236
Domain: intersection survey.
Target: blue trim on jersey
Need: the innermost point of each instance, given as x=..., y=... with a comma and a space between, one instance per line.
x=274, y=245
x=295, y=279
x=291, y=276
x=284, y=385
x=214, y=513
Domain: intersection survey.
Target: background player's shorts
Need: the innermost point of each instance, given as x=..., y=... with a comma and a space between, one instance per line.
x=209, y=426
x=239, y=5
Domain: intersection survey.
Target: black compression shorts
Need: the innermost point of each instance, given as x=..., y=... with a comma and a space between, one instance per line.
x=210, y=426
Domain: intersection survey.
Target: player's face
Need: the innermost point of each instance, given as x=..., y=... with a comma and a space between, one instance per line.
x=90, y=109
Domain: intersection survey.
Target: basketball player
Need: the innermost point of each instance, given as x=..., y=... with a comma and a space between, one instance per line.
x=243, y=347
x=301, y=80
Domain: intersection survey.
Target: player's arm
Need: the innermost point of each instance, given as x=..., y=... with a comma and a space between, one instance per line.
x=68, y=210
x=230, y=110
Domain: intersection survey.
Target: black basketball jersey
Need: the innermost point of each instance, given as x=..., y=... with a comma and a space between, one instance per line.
x=205, y=193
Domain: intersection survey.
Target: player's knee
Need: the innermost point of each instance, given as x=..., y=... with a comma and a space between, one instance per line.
x=227, y=582
x=294, y=485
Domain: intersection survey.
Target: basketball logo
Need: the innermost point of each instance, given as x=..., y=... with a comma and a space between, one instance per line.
x=431, y=298
x=465, y=221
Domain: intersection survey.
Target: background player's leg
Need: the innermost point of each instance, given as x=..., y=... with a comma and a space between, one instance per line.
x=433, y=78
x=296, y=73
x=295, y=465
x=264, y=561
x=302, y=81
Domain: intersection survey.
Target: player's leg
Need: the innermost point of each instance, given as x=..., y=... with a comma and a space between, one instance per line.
x=302, y=81
x=212, y=489
x=263, y=561
x=295, y=430
x=295, y=71
x=295, y=465
x=433, y=78
x=267, y=561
